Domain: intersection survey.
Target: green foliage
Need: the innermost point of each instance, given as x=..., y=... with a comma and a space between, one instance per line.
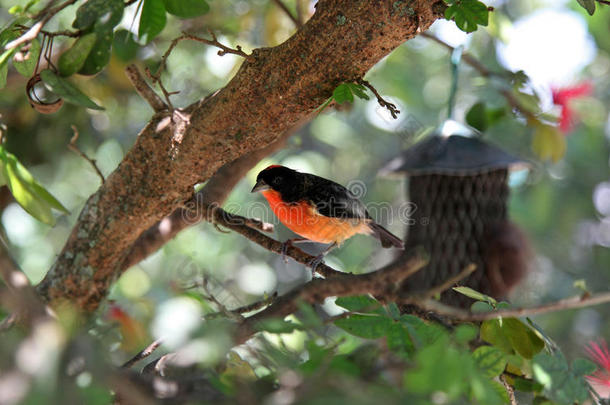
x=100, y=15
x=34, y=198
x=26, y=64
x=481, y=118
x=345, y=92
x=152, y=20
x=67, y=90
x=548, y=142
x=588, y=5
x=469, y=292
x=467, y=14
x=186, y=8
x=563, y=384
x=124, y=46
x=72, y=60
x=99, y=55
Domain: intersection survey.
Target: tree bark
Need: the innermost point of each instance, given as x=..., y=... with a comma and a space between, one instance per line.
x=273, y=90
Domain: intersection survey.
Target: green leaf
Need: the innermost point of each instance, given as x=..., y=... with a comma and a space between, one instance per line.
x=468, y=14
x=99, y=56
x=422, y=333
x=583, y=367
x=186, y=8
x=399, y=341
x=393, y=310
x=476, y=117
x=588, y=5
x=358, y=303
x=152, y=20
x=562, y=385
x=465, y=333
x=548, y=142
x=105, y=14
x=491, y=332
x=525, y=342
x=343, y=93
x=491, y=361
x=525, y=385
x=365, y=326
x=67, y=90
x=124, y=46
x=359, y=90
x=4, y=58
x=469, y=292
x=26, y=63
x=481, y=306
x=276, y=325
x=72, y=60
x=28, y=193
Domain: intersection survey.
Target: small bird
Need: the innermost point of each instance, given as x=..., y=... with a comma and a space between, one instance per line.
x=318, y=209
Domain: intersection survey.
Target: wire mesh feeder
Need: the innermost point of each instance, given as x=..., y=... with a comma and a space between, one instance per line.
x=459, y=190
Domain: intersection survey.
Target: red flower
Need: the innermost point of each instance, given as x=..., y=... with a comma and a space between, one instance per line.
x=600, y=380
x=562, y=97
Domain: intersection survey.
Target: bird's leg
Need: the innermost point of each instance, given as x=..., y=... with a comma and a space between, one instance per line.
x=291, y=242
x=319, y=259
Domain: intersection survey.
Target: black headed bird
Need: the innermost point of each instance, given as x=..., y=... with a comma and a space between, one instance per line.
x=318, y=209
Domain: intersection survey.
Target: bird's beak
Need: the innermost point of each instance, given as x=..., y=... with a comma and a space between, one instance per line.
x=260, y=186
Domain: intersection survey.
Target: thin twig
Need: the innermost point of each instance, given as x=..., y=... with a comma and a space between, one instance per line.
x=450, y=282
x=64, y=33
x=561, y=305
x=147, y=351
x=382, y=102
x=285, y=9
x=37, y=27
x=509, y=390
x=72, y=146
x=143, y=89
x=237, y=223
x=478, y=66
x=604, y=2
x=213, y=42
x=222, y=308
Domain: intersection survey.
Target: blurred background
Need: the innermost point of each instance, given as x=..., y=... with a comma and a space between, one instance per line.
x=563, y=206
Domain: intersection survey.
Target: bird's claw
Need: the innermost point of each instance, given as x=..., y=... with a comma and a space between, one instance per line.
x=315, y=262
x=285, y=247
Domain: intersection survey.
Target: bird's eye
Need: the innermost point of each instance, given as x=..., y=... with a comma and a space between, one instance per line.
x=277, y=181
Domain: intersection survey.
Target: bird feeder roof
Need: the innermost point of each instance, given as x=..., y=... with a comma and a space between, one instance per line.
x=452, y=155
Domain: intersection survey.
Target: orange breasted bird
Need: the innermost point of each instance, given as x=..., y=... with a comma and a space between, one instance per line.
x=318, y=209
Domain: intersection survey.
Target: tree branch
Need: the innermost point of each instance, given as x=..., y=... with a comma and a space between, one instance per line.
x=274, y=89
x=482, y=69
x=294, y=19
x=377, y=283
x=144, y=90
x=561, y=305
x=394, y=111
x=72, y=146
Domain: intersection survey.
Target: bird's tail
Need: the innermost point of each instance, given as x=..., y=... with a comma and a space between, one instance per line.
x=387, y=238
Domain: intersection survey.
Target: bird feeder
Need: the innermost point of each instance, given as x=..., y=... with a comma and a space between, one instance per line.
x=458, y=188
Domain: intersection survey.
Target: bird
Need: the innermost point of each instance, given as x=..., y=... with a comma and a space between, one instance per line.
x=318, y=209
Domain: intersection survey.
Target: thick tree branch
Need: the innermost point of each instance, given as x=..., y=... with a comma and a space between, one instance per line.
x=378, y=283
x=215, y=191
x=273, y=90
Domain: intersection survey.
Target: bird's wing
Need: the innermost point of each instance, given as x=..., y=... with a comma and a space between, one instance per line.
x=334, y=200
